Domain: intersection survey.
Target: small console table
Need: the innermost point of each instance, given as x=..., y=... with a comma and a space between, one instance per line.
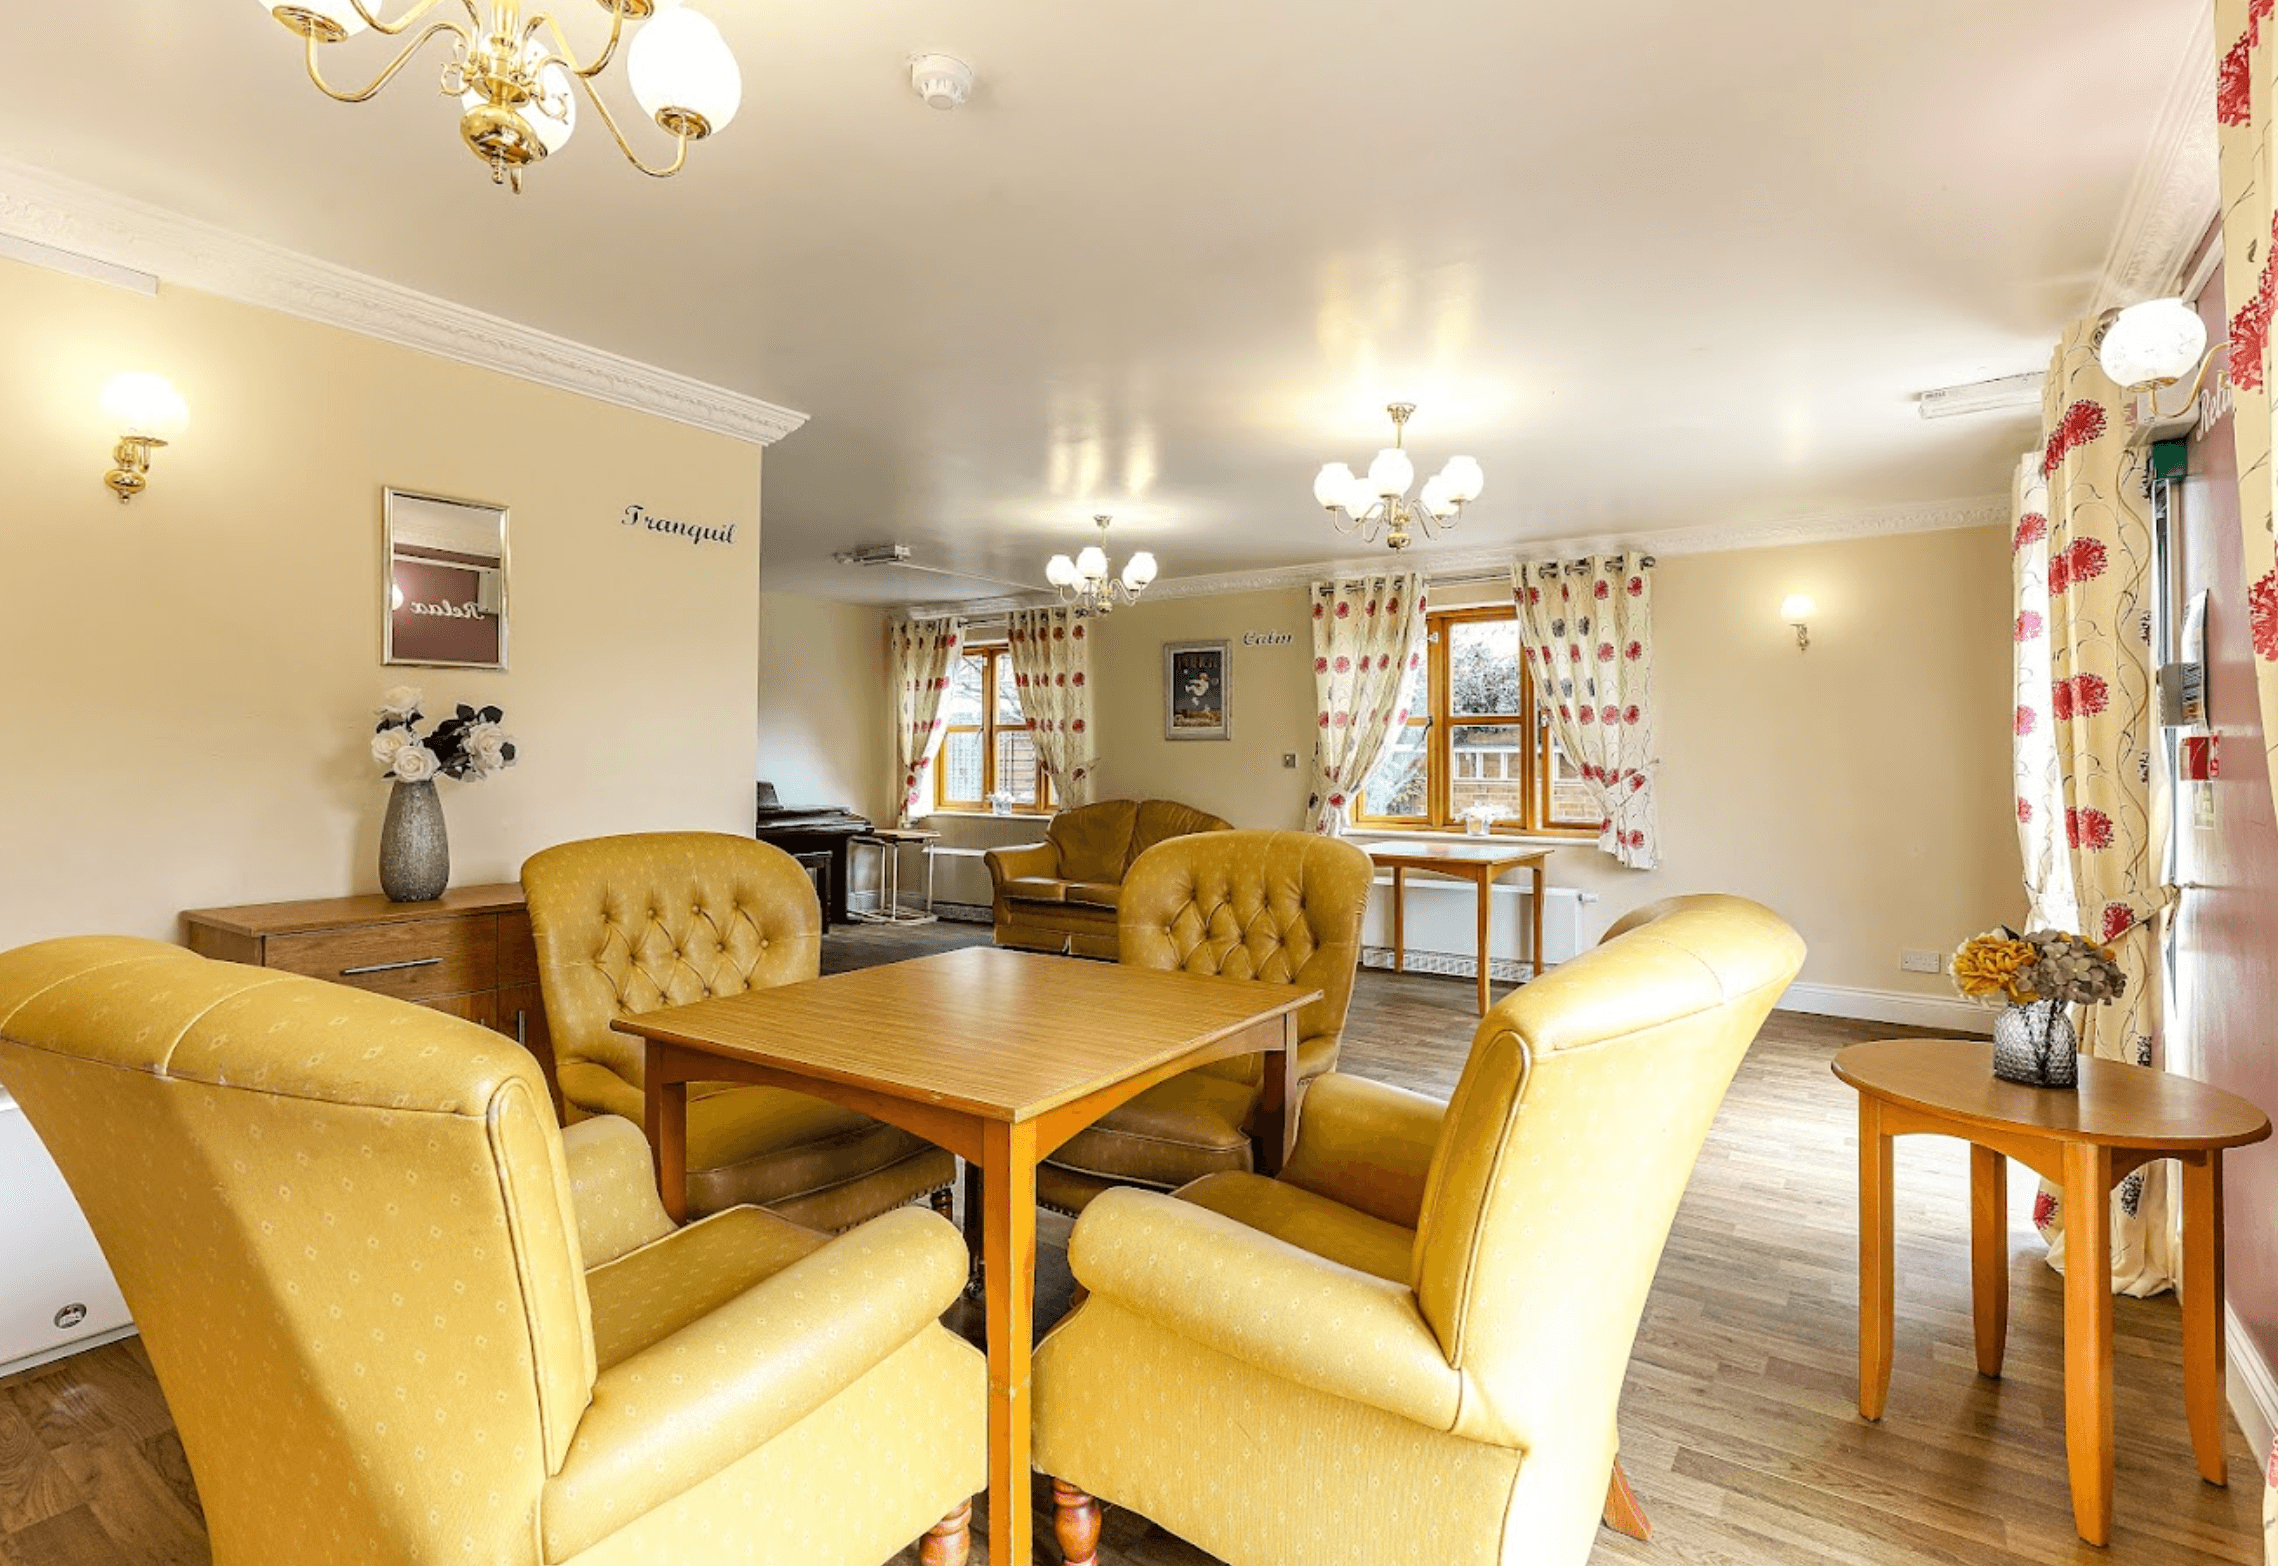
x=468, y=953
x=1476, y=860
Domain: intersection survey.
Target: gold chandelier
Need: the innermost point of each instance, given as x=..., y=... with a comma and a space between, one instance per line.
x=1379, y=504
x=516, y=77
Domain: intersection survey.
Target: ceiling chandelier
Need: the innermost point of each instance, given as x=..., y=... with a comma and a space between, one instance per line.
x=1085, y=584
x=1379, y=504
x=516, y=76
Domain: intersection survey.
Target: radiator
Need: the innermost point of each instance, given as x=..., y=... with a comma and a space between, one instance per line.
x=1443, y=925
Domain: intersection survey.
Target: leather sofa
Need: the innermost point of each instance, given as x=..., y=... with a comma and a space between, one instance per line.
x=1410, y=1346
x=389, y=1331
x=626, y=925
x=1281, y=906
x=1060, y=895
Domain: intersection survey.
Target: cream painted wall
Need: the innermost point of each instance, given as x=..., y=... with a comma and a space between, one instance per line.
x=825, y=734
x=1861, y=788
x=186, y=680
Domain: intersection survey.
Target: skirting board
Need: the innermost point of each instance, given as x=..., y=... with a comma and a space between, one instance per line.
x=17, y=1367
x=2253, y=1391
x=1900, y=1006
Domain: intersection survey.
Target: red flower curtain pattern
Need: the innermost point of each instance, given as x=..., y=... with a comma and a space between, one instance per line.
x=1051, y=668
x=2084, y=729
x=2243, y=106
x=922, y=652
x=1367, y=634
x=1586, y=638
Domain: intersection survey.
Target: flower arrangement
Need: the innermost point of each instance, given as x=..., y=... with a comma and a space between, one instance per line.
x=2004, y=967
x=468, y=745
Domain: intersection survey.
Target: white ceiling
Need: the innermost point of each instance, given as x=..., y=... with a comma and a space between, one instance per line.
x=1658, y=265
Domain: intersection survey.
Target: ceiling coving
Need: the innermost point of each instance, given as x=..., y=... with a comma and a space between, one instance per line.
x=517, y=77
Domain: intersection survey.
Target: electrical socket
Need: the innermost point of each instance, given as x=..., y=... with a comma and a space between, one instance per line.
x=1289, y=759
x=1910, y=961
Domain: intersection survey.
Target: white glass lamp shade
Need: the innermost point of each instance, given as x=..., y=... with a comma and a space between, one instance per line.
x=1360, y=500
x=1061, y=572
x=2153, y=343
x=145, y=406
x=559, y=92
x=1797, y=608
x=1140, y=571
x=1333, y=486
x=679, y=62
x=295, y=14
x=1091, y=565
x=1391, y=473
x=1464, y=479
x=1436, y=497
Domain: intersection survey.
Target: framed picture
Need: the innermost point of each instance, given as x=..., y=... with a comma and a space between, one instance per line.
x=1197, y=691
x=443, y=604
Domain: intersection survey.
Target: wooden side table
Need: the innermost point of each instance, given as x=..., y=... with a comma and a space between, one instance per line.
x=468, y=952
x=1478, y=861
x=2085, y=1142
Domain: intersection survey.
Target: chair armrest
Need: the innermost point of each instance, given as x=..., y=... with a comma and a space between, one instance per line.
x=1368, y=1145
x=687, y=1407
x=1024, y=859
x=613, y=1188
x=1268, y=1303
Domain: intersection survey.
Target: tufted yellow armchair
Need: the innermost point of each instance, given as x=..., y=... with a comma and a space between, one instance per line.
x=344, y=1225
x=1284, y=906
x=626, y=925
x=1410, y=1346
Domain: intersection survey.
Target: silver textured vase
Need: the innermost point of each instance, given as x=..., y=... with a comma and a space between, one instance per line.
x=2035, y=1044
x=415, y=850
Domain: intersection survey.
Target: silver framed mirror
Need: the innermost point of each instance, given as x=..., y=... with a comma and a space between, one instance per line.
x=443, y=602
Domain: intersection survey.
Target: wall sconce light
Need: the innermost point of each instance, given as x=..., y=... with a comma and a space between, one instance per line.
x=2149, y=347
x=1797, y=609
x=148, y=412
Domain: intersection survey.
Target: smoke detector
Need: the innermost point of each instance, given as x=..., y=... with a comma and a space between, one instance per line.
x=942, y=80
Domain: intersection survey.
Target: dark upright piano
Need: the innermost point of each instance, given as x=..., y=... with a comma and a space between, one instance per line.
x=816, y=836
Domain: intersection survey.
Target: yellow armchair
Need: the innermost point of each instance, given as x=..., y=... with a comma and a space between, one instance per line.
x=355, y=1244
x=626, y=925
x=1411, y=1345
x=1280, y=906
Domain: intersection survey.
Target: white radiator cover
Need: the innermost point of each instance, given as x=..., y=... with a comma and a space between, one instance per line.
x=1443, y=919
x=56, y=1294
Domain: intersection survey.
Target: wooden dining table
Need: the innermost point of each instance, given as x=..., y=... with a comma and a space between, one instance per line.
x=1000, y=1057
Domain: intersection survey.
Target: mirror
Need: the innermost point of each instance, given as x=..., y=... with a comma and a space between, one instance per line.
x=444, y=602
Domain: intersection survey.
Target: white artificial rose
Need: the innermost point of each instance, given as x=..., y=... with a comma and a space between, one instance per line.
x=486, y=748
x=387, y=742
x=414, y=763
x=400, y=702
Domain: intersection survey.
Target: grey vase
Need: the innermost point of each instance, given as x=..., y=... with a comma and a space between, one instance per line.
x=2035, y=1044
x=415, y=849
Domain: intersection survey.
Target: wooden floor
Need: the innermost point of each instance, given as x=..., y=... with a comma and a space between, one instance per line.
x=1738, y=1425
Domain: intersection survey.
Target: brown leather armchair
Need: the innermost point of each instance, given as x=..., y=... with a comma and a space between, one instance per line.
x=1060, y=895
x=1429, y=1315
x=626, y=925
x=1282, y=906
x=347, y=1231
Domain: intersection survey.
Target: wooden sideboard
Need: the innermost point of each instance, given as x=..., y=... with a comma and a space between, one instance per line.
x=468, y=953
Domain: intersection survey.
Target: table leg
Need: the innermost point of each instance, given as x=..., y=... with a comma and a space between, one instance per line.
x=1876, y=1303
x=1277, y=1104
x=666, y=1117
x=1989, y=1255
x=1541, y=889
x=2088, y=1336
x=1486, y=902
x=1399, y=919
x=2203, y=1311
x=1008, y=1196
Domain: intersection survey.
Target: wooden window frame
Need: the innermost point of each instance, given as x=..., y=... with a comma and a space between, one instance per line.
x=1440, y=724
x=988, y=728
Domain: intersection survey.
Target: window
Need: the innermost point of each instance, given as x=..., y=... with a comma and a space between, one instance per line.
x=985, y=744
x=1473, y=739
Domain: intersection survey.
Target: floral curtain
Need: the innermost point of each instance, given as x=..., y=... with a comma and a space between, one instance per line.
x=2040, y=782
x=2243, y=106
x=1586, y=635
x=1367, y=635
x=922, y=652
x=1051, y=668
x=2092, y=542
